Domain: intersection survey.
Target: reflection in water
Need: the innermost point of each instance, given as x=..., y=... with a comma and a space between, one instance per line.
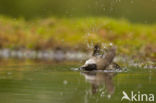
x=58, y=84
x=100, y=80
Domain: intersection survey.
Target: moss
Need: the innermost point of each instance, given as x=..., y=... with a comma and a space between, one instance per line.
x=76, y=32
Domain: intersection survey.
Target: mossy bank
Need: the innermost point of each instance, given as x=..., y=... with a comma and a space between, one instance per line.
x=76, y=33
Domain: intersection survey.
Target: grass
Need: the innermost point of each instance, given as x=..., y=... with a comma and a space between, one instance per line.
x=75, y=33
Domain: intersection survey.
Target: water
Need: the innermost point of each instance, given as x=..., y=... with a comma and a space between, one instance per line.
x=60, y=84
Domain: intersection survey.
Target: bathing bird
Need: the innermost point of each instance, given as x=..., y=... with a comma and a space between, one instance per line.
x=101, y=61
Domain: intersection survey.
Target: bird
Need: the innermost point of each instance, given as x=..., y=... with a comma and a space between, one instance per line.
x=101, y=61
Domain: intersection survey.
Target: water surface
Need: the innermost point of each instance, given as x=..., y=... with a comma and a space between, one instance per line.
x=61, y=84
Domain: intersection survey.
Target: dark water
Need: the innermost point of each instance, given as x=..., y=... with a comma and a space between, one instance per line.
x=60, y=84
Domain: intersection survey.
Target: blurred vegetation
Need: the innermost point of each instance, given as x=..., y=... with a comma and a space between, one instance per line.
x=134, y=10
x=76, y=33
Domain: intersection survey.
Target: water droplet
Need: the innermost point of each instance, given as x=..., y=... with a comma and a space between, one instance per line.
x=109, y=96
x=131, y=1
x=110, y=44
x=9, y=73
x=65, y=82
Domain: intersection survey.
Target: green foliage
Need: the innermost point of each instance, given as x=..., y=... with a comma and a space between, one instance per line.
x=75, y=33
x=134, y=10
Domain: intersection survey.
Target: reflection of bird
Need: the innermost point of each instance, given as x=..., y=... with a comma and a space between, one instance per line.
x=125, y=96
x=97, y=79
